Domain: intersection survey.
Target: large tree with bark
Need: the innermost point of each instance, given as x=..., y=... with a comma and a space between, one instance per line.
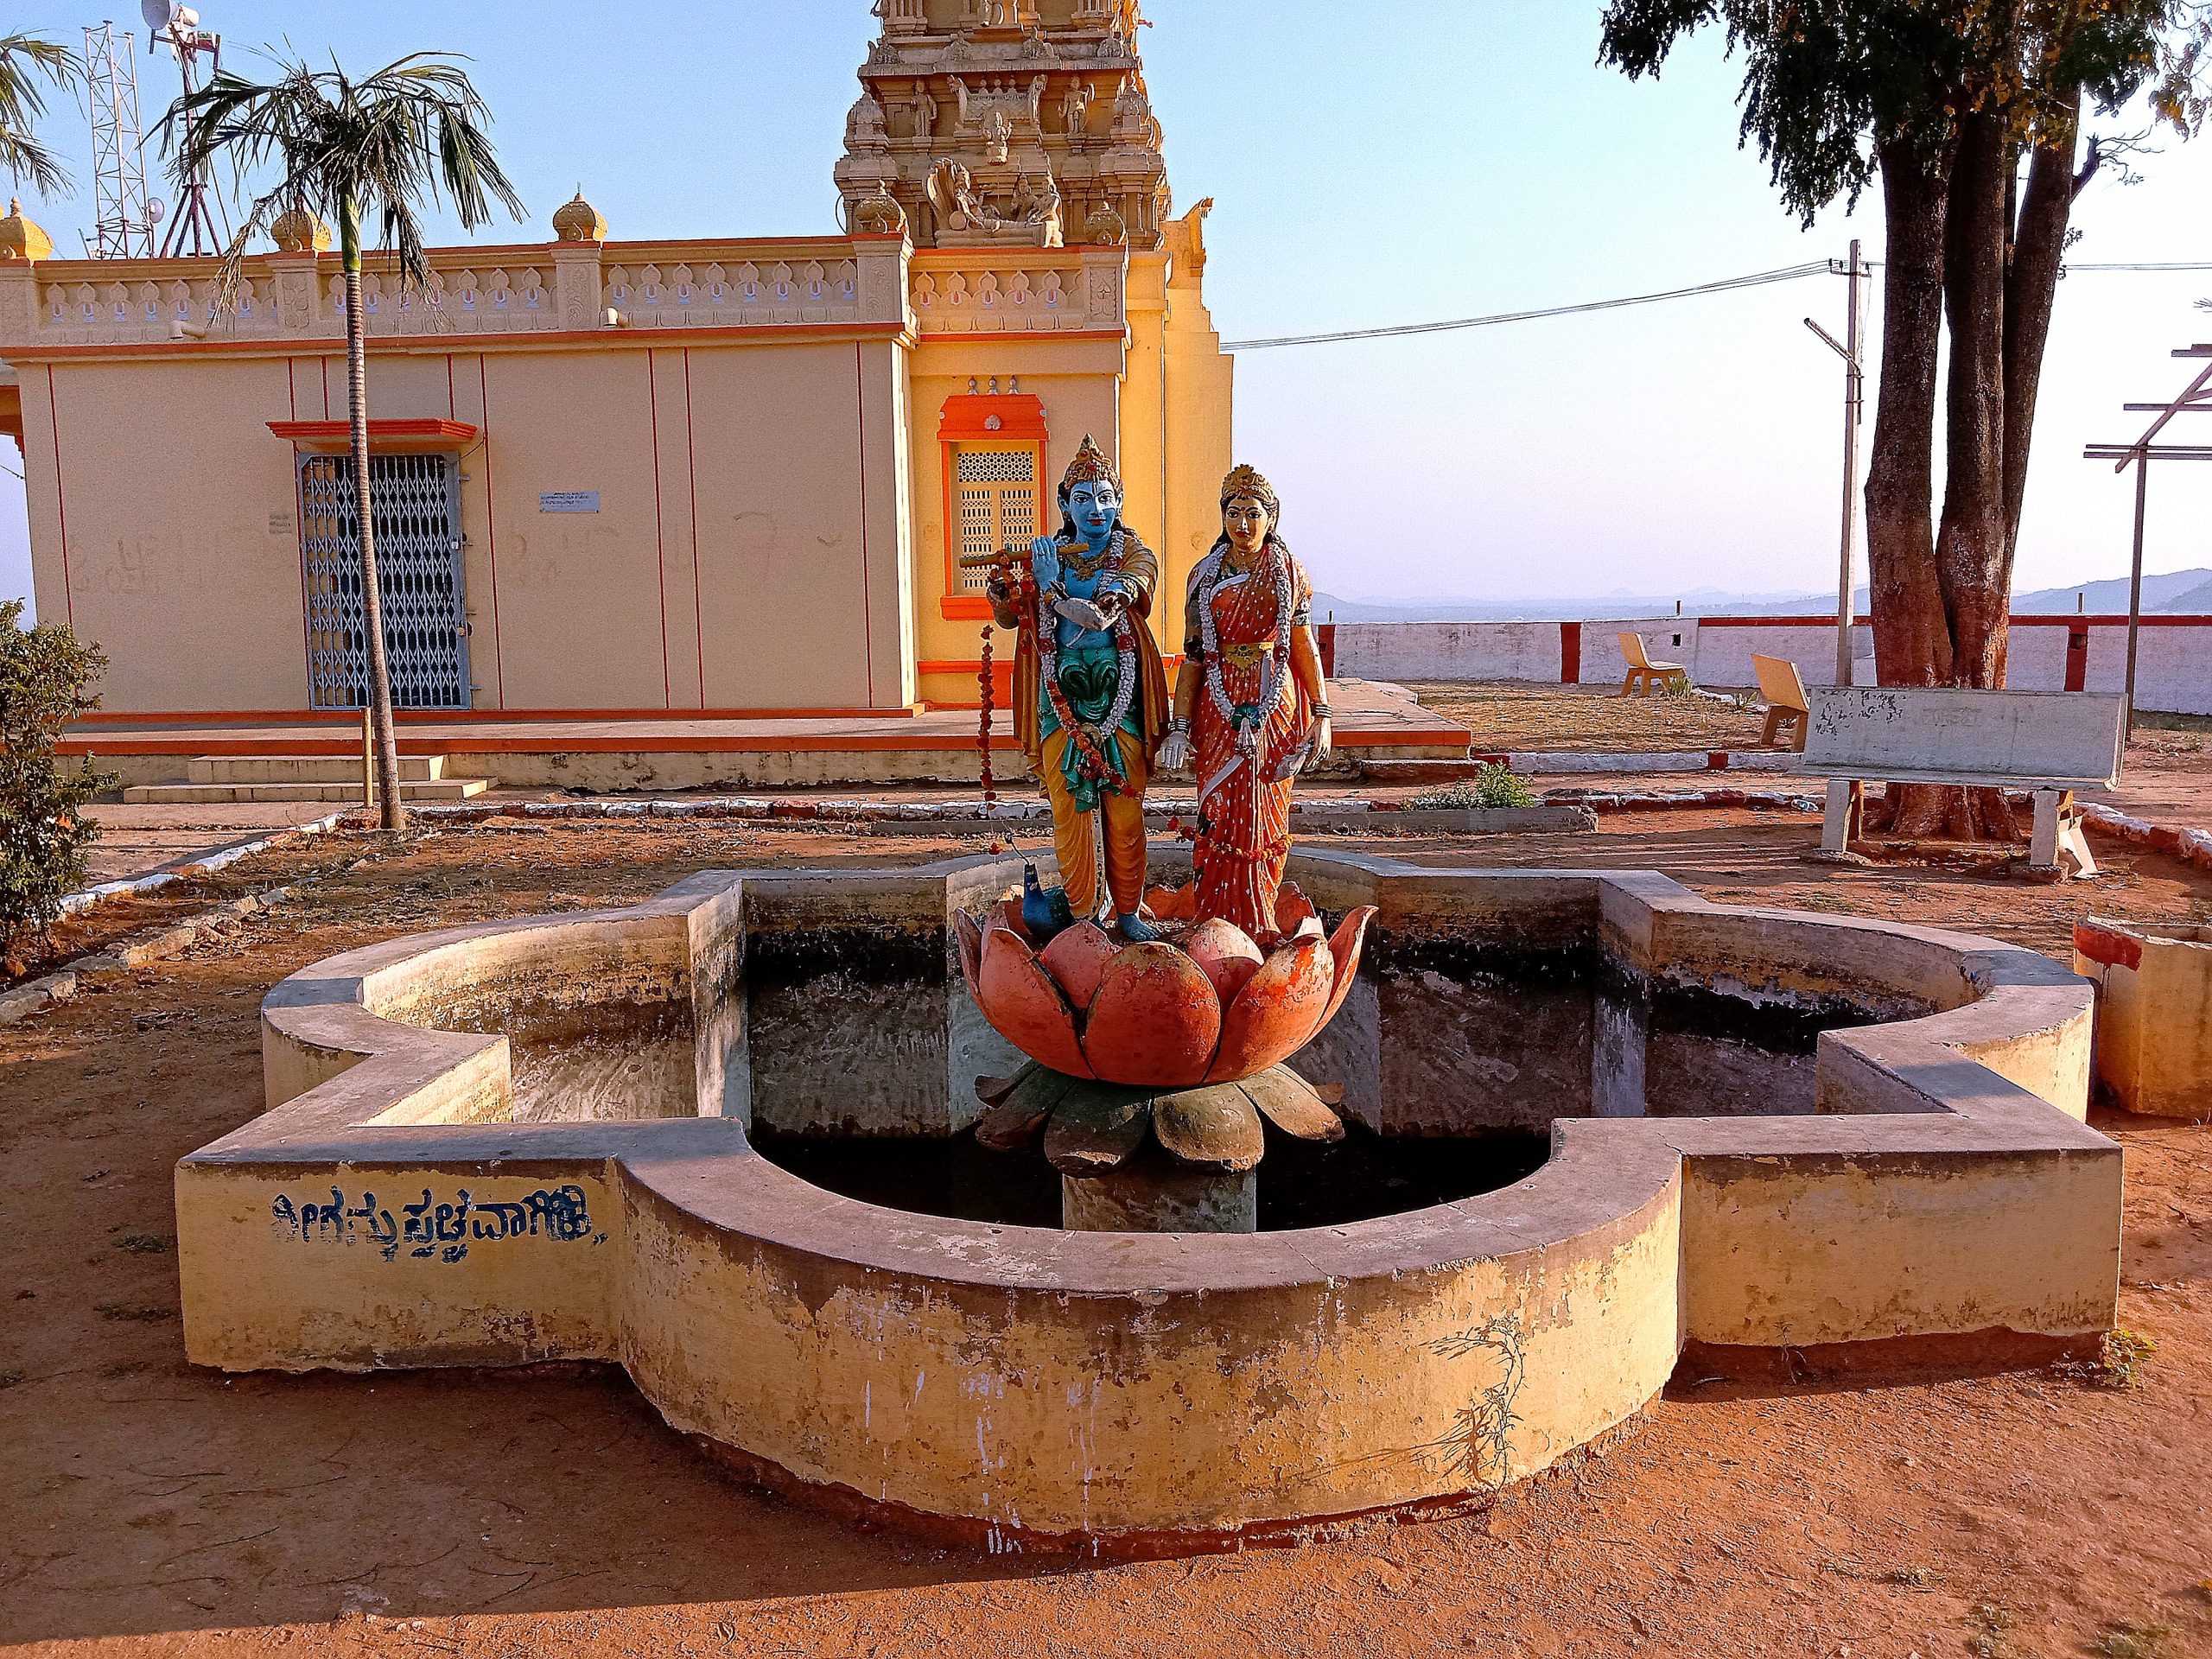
x=1971, y=112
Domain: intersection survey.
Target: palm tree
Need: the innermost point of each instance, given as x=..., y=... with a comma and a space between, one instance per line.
x=411, y=136
x=25, y=60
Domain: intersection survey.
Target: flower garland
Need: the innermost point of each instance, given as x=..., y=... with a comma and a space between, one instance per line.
x=1091, y=761
x=1246, y=721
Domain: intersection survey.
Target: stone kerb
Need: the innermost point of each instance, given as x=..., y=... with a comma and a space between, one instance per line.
x=1015, y=1387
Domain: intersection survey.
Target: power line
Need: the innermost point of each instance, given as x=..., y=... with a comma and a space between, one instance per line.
x=1757, y=279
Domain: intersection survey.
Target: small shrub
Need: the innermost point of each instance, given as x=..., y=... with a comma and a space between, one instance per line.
x=1493, y=786
x=45, y=678
x=142, y=1244
x=2118, y=1363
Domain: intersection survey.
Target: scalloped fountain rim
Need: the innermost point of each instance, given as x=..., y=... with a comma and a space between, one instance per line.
x=1132, y=1393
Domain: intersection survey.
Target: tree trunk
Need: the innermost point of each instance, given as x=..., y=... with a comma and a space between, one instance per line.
x=1973, y=545
x=2030, y=295
x=393, y=810
x=1912, y=637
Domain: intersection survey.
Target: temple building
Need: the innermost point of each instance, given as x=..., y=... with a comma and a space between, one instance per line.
x=610, y=477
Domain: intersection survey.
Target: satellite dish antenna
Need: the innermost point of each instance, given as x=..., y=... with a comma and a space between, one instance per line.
x=156, y=211
x=157, y=14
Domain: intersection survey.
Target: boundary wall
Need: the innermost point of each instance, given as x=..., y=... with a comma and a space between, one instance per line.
x=2050, y=653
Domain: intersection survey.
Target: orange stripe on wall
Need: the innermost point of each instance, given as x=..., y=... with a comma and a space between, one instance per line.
x=61, y=500
x=209, y=717
x=660, y=537
x=692, y=478
x=492, y=534
x=867, y=609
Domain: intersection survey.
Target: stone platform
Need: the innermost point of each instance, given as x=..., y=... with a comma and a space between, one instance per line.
x=670, y=750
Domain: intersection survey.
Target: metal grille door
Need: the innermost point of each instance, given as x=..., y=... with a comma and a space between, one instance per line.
x=998, y=505
x=417, y=503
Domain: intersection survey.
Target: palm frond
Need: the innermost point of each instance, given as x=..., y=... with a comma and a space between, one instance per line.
x=385, y=149
x=26, y=60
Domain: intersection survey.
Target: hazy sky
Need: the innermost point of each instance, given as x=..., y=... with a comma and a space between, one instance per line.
x=1398, y=162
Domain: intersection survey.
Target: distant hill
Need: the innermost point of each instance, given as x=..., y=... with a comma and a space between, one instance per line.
x=2181, y=593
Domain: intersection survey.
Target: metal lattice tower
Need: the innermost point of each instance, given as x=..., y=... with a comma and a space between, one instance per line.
x=121, y=226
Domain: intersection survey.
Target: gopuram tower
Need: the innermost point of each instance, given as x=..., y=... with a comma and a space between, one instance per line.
x=1006, y=124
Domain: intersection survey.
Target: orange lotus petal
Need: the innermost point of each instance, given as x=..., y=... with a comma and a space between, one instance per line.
x=1078, y=959
x=1278, y=1013
x=969, y=937
x=1006, y=914
x=1025, y=1007
x=1172, y=904
x=1225, y=955
x=1155, y=1021
x=1292, y=908
x=1350, y=940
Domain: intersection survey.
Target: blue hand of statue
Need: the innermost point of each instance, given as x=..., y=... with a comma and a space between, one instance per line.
x=1044, y=561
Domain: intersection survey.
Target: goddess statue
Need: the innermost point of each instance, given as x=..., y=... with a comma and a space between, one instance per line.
x=1251, y=705
x=1091, y=702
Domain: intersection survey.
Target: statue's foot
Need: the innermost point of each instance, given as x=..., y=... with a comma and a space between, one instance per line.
x=1137, y=930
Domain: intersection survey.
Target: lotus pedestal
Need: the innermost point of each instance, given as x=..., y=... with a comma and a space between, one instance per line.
x=1152, y=1161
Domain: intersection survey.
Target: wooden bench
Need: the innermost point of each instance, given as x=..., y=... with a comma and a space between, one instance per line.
x=1784, y=688
x=2050, y=743
x=1645, y=675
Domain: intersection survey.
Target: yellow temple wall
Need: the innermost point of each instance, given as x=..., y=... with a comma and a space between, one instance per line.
x=1158, y=395
x=771, y=531
x=172, y=544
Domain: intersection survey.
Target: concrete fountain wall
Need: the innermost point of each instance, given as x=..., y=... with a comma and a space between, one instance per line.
x=1018, y=1387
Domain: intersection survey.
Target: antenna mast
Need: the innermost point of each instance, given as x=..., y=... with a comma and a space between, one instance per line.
x=122, y=227
x=193, y=229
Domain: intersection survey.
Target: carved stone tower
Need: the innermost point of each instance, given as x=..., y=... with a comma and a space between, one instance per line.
x=1006, y=123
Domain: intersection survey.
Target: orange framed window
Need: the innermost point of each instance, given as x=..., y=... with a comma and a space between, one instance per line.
x=994, y=491
x=993, y=449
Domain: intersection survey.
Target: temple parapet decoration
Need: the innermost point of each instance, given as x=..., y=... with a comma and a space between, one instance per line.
x=1060, y=291
x=561, y=287
x=1006, y=124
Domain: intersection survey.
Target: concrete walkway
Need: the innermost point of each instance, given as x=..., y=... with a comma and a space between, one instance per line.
x=136, y=841
x=1369, y=715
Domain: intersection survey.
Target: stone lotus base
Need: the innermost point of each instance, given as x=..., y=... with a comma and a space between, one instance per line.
x=1020, y=1389
x=1144, y=1161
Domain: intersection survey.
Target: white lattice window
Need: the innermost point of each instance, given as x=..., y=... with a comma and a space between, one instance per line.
x=996, y=500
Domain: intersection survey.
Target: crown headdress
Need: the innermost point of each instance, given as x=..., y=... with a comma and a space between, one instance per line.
x=1247, y=481
x=1089, y=467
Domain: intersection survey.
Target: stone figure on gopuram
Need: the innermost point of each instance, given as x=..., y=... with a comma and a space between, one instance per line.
x=1089, y=696
x=1251, y=705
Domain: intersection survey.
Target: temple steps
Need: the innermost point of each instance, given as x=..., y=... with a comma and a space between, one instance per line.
x=213, y=781
x=305, y=769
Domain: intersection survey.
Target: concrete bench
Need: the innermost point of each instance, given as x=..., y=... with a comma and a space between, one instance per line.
x=2050, y=743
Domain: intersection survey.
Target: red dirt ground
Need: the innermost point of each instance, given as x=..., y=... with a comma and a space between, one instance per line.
x=150, y=1507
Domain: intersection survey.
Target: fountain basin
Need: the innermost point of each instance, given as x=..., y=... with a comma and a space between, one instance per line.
x=1027, y=1386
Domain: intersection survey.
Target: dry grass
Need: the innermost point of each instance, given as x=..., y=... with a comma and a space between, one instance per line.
x=1535, y=718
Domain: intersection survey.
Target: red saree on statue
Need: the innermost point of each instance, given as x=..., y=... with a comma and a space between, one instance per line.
x=1243, y=832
